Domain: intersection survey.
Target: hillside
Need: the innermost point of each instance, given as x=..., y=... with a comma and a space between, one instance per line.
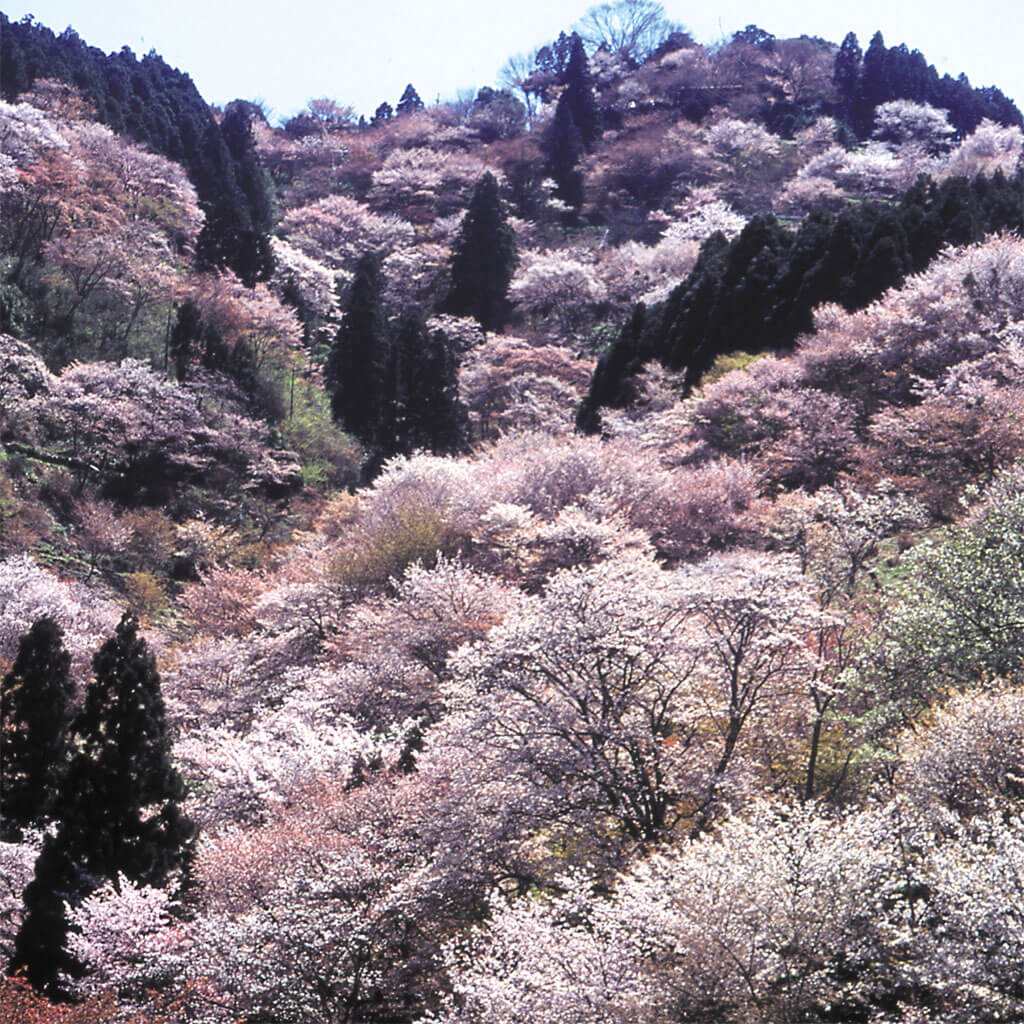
x=569, y=542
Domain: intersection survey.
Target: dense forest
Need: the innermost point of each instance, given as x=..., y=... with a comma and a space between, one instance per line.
x=552, y=554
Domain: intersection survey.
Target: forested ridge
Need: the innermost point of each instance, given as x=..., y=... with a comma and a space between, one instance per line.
x=551, y=554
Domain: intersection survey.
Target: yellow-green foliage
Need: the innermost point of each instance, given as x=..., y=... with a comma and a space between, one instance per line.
x=153, y=538
x=726, y=364
x=416, y=534
x=330, y=458
x=146, y=597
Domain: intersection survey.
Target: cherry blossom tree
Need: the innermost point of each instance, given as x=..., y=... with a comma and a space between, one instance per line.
x=555, y=289
x=29, y=592
x=773, y=919
x=965, y=763
x=988, y=149
x=337, y=231
x=419, y=184
x=125, y=427
x=623, y=691
x=900, y=122
x=510, y=385
x=16, y=863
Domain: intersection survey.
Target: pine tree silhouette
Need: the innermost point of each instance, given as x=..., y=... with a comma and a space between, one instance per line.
x=40, y=953
x=426, y=411
x=359, y=364
x=846, y=77
x=484, y=259
x=578, y=94
x=564, y=148
x=409, y=102
x=122, y=792
x=35, y=712
x=118, y=810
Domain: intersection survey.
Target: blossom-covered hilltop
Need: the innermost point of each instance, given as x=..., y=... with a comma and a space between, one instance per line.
x=551, y=555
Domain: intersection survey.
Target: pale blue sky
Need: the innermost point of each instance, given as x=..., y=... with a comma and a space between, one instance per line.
x=361, y=52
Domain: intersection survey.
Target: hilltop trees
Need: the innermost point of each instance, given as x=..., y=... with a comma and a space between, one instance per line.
x=632, y=28
x=576, y=125
x=160, y=107
x=881, y=73
x=484, y=259
x=410, y=101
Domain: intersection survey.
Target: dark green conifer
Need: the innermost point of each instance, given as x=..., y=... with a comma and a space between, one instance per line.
x=359, y=366
x=119, y=808
x=578, y=94
x=484, y=259
x=39, y=953
x=235, y=195
x=426, y=411
x=120, y=803
x=550, y=65
x=611, y=384
x=410, y=101
x=564, y=148
x=846, y=78
x=35, y=712
x=876, y=85
x=254, y=259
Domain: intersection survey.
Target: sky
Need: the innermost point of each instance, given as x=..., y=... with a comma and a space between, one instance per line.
x=362, y=52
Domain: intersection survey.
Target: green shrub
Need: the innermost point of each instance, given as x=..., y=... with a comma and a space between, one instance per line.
x=416, y=534
x=330, y=458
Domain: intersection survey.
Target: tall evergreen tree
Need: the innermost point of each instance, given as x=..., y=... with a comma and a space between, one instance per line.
x=575, y=126
x=484, y=259
x=876, y=85
x=426, y=411
x=359, y=365
x=564, y=148
x=254, y=258
x=122, y=794
x=410, y=101
x=611, y=383
x=579, y=93
x=35, y=712
x=550, y=65
x=846, y=78
x=118, y=810
x=235, y=195
x=40, y=953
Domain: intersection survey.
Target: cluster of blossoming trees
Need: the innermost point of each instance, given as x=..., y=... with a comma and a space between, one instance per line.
x=551, y=775
x=713, y=718
x=581, y=727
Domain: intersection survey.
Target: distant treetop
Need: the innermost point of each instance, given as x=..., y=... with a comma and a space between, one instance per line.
x=409, y=102
x=632, y=28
